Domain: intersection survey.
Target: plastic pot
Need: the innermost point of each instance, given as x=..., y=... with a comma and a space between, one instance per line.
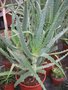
x=57, y=81
x=9, y=86
x=48, y=69
x=35, y=87
x=6, y=63
x=9, y=19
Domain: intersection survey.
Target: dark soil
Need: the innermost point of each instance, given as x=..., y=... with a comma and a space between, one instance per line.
x=31, y=81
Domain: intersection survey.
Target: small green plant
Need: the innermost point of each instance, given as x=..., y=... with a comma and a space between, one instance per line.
x=57, y=73
x=9, y=80
x=3, y=76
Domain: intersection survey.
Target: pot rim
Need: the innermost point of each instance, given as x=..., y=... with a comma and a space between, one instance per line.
x=34, y=85
x=57, y=79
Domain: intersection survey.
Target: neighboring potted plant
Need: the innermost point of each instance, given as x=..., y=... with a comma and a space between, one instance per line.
x=6, y=80
x=48, y=69
x=4, y=60
x=7, y=84
x=31, y=42
x=57, y=76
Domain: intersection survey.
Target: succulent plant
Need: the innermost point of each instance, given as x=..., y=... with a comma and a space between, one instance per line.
x=57, y=73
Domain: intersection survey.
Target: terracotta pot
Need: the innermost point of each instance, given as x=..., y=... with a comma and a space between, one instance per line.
x=57, y=81
x=9, y=86
x=9, y=19
x=6, y=64
x=35, y=87
x=48, y=69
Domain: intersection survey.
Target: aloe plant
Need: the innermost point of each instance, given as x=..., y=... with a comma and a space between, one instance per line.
x=33, y=39
x=3, y=78
x=56, y=72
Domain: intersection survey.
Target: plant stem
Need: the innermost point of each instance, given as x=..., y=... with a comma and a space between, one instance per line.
x=34, y=64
